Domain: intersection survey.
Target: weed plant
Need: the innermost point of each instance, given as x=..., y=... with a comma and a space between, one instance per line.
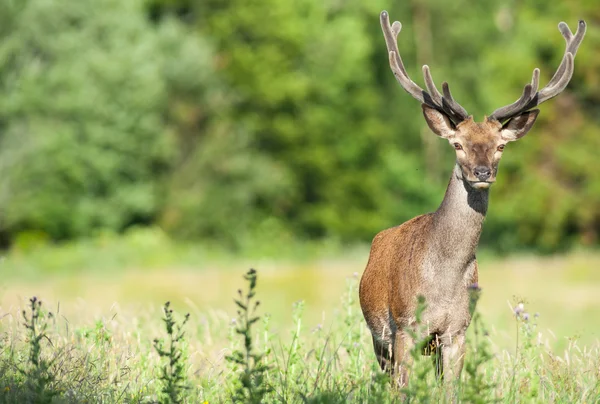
x=173, y=376
x=251, y=385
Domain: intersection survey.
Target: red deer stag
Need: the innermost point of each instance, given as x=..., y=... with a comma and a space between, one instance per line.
x=433, y=255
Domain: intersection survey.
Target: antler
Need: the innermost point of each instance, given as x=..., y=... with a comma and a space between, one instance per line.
x=531, y=97
x=444, y=103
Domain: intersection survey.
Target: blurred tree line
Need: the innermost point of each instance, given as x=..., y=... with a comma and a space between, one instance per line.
x=272, y=119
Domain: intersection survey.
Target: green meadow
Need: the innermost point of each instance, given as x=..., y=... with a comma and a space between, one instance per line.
x=102, y=311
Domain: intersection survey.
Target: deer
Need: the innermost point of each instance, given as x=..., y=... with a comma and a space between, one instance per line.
x=434, y=255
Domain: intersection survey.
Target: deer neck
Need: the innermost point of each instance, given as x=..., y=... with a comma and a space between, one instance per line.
x=459, y=219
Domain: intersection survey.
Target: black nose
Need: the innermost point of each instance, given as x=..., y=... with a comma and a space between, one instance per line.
x=482, y=173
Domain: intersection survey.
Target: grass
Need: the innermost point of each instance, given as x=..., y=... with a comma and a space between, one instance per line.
x=563, y=289
x=93, y=338
x=150, y=248
x=113, y=358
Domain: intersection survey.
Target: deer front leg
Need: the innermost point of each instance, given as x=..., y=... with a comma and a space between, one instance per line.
x=383, y=354
x=403, y=344
x=453, y=356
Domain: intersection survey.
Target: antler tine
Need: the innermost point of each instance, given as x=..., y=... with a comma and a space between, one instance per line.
x=529, y=93
x=390, y=33
x=572, y=44
x=455, y=106
x=433, y=98
x=552, y=91
x=573, y=41
x=531, y=97
x=452, y=108
x=535, y=80
x=514, y=108
x=396, y=28
x=433, y=91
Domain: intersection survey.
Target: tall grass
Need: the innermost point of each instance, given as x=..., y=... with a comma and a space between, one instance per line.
x=212, y=357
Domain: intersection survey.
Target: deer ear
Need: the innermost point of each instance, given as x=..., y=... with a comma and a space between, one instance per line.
x=518, y=126
x=438, y=122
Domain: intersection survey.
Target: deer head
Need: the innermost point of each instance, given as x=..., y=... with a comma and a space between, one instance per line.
x=479, y=145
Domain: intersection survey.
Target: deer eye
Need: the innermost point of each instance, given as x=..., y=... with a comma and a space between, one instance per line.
x=501, y=148
x=457, y=146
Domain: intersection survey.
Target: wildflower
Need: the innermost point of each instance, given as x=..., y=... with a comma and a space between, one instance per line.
x=525, y=316
x=475, y=287
x=519, y=309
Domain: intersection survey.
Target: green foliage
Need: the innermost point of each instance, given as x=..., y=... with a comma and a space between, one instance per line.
x=173, y=376
x=99, y=334
x=475, y=387
x=85, y=139
x=420, y=374
x=82, y=144
x=350, y=155
x=242, y=122
x=251, y=386
x=306, y=98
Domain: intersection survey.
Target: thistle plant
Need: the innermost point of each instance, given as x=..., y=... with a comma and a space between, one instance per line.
x=251, y=386
x=37, y=373
x=173, y=376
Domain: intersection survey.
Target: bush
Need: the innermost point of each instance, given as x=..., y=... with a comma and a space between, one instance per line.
x=85, y=143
